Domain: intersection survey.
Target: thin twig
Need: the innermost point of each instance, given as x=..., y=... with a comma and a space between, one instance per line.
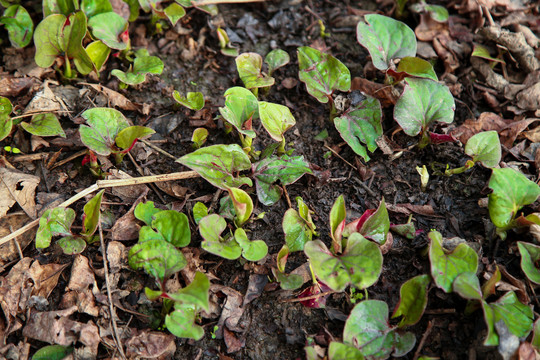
x=111, y=305
x=101, y=184
x=141, y=172
x=32, y=113
x=158, y=149
x=287, y=196
x=17, y=244
x=424, y=338
x=365, y=187
x=311, y=297
x=69, y=158
x=339, y=156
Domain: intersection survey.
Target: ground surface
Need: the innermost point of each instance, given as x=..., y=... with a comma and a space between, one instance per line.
x=270, y=326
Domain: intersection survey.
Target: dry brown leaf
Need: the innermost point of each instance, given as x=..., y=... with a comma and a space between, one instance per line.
x=121, y=8
x=79, y=290
x=521, y=289
x=529, y=98
x=128, y=194
x=45, y=278
x=232, y=342
x=428, y=29
x=15, y=86
x=150, y=345
x=384, y=93
x=116, y=99
x=44, y=101
x=17, y=187
x=441, y=44
x=8, y=224
x=527, y=352
x=255, y=288
x=486, y=121
x=116, y=256
x=15, y=290
x=232, y=309
x=126, y=228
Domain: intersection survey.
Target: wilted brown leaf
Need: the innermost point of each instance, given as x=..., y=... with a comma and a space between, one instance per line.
x=45, y=277
x=384, y=93
x=15, y=290
x=17, y=187
x=232, y=342
x=116, y=99
x=126, y=228
x=8, y=224
x=79, y=290
x=527, y=352
x=44, y=101
x=150, y=345
x=12, y=86
x=232, y=309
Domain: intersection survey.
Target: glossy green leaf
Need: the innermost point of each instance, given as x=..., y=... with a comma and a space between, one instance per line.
x=199, y=136
x=52, y=352
x=241, y=108
x=196, y=293
x=361, y=124
x=376, y=227
x=158, y=258
x=141, y=66
x=482, y=52
x=276, y=119
x=386, y=39
x=422, y=103
x=19, y=25
x=173, y=226
x=338, y=213
x=218, y=164
x=485, y=148
x=94, y=7
x=99, y=53
x=54, y=222
x=147, y=233
x=146, y=211
x=511, y=191
x=445, y=265
x=322, y=73
x=359, y=265
x=288, y=281
x=243, y=205
x=436, y=12
x=44, y=125
x=413, y=300
x=530, y=254
x=297, y=230
x=58, y=35
x=5, y=120
x=275, y=59
x=199, y=211
x=251, y=250
x=413, y=66
x=108, y=27
x=281, y=260
x=127, y=137
x=227, y=48
x=517, y=317
x=174, y=12
x=339, y=351
x=536, y=335
x=92, y=213
x=210, y=228
x=192, y=100
x=72, y=245
x=269, y=170
x=468, y=286
x=181, y=322
x=249, y=67
x=65, y=7
x=368, y=330
x=406, y=230
x=104, y=124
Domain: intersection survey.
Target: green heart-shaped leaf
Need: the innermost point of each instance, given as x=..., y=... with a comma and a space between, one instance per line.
x=517, y=317
x=54, y=222
x=108, y=27
x=218, y=164
x=199, y=211
x=210, y=228
x=422, y=103
x=288, y=281
x=436, y=12
x=241, y=108
x=52, y=352
x=530, y=254
x=269, y=170
x=468, y=286
x=181, y=322
x=104, y=124
x=359, y=265
x=199, y=137
x=276, y=119
x=141, y=66
x=297, y=231
x=19, y=25
x=72, y=245
x=65, y=7
x=386, y=39
x=146, y=211
x=275, y=59
x=249, y=67
x=158, y=258
x=485, y=148
x=91, y=214
x=376, y=227
x=44, y=125
x=413, y=66
x=368, y=330
x=447, y=266
x=251, y=250
x=5, y=120
x=196, y=293
x=339, y=351
x=99, y=53
x=511, y=191
x=94, y=7
x=361, y=124
x=322, y=73
x=174, y=12
x=192, y=100
x=127, y=137
x=173, y=226
x=413, y=300
x=338, y=213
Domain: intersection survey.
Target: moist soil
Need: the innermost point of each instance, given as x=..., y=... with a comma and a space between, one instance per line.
x=272, y=326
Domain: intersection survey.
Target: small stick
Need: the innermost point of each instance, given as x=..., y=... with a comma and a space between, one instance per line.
x=158, y=149
x=287, y=196
x=424, y=338
x=141, y=172
x=19, y=247
x=32, y=113
x=101, y=184
x=69, y=158
x=29, y=157
x=311, y=297
x=365, y=187
x=339, y=156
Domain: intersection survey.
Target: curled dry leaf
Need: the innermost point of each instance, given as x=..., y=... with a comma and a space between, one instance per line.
x=15, y=290
x=150, y=345
x=12, y=86
x=384, y=93
x=232, y=309
x=79, y=291
x=127, y=228
x=116, y=99
x=8, y=224
x=16, y=186
x=44, y=101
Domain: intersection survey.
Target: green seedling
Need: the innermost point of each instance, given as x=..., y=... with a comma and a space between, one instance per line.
x=59, y=7
x=422, y=103
x=192, y=100
x=19, y=25
x=536, y=336
x=323, y=74
x=6, y=123
x=511, y=191
x=368, y=334
x=58, y=221
x=436, y=12
x=225, y=45
x=52, y=352
x=249, y=66
x=99, y=53
x=413, y=297
x=111, y=29
x=44, y=125
x=175, y=10
x=199, y=211
x=386, y=39
x=276, y=59
x=59, y=35
x=407, y=230
x=276, y=119
x=298, y=226
x=412, y=67
x=12, y=149
x=484, y=148
x=285, y=169
x=482, y=52
x=424, y=176
x=530, y=254
x=286, y=281
x=219, y=165
x=243, y=205
x=241, y=108
x=95, y=7
x=143, y=64
x=446, y=265
x=199, y=137
x=108, y=132
x=361, y=124
x=157, y=251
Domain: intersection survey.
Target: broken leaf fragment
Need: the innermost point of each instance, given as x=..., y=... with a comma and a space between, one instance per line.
x=276, y=59
x=210, y=228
